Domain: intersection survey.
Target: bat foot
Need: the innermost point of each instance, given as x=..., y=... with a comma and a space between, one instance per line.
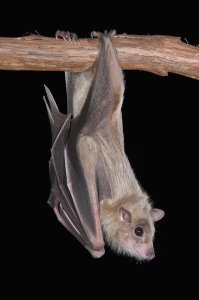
x=74, y=37
x=66, y=35
x=106, y=33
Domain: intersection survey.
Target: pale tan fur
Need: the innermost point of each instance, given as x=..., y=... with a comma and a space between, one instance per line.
x=125, y=189
x=117, y=232
x=82, y=83
x=122, y=178
x=116, y=202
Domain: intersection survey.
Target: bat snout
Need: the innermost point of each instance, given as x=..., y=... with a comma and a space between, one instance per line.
x=150, y=254
x=145, y=251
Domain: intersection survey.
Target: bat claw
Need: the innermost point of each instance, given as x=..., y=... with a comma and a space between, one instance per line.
x=66, y=35
x=74, y=37
x=106, y=33
x=60, y=34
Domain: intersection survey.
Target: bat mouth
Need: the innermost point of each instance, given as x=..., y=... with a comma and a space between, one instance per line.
x=142, y=251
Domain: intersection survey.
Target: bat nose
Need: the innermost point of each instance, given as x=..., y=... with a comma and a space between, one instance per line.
x=150, y=254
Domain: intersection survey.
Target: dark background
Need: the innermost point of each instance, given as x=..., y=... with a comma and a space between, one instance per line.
x=160, y=118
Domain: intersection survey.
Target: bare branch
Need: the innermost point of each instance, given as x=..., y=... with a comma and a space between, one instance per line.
x=156, y=54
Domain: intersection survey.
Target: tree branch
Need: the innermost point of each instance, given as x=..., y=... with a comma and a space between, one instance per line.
x=156, y=54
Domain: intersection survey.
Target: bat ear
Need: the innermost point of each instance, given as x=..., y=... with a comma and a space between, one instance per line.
x=125, y=214
x=157, y=214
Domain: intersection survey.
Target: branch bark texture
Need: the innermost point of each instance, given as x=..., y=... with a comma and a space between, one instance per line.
x=156, y=54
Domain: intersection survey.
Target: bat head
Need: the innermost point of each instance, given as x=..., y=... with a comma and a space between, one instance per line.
x=129, y=228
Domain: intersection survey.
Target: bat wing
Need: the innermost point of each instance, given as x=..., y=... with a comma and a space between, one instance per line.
x=102, y=108
x=76, y=216
x=79, y=177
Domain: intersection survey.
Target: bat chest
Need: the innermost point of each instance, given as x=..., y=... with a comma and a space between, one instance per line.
x=117, y=167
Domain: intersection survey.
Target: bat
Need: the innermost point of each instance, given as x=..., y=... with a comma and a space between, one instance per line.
x=94, y=191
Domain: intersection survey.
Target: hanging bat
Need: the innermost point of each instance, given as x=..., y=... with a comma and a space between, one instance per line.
x=94, y=191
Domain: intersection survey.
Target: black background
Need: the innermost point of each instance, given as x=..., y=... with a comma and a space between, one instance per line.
x=160, y=118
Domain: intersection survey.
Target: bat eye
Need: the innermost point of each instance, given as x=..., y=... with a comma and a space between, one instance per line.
x=139, y=231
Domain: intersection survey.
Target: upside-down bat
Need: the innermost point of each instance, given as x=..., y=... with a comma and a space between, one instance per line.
x=94, y=192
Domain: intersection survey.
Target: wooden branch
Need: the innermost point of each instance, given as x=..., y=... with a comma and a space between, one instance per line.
x=156, y=54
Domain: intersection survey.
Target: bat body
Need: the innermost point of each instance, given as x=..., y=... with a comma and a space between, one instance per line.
x=94, y=191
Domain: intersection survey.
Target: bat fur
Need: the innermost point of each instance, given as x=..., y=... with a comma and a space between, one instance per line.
x=101, y=190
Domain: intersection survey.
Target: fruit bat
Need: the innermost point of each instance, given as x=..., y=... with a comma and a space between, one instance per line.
x=94, y=191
